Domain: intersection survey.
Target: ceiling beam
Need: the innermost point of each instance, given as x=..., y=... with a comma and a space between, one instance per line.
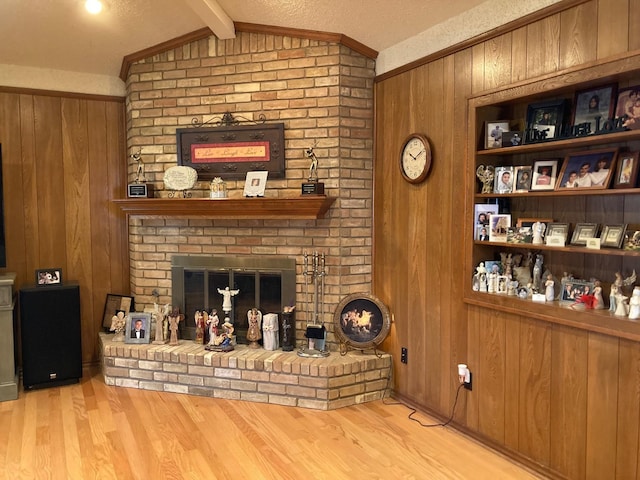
x=214, y=17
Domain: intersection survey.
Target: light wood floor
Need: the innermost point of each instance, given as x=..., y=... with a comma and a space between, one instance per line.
x=90, y=430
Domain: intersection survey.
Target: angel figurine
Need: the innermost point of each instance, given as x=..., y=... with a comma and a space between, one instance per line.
x=254, y=316
x=118, y=322
x=485, y=175
x=616, y=289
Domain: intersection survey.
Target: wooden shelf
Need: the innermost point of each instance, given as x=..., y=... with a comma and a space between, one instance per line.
x=565, y=249
x=567, y=192
x=600, y=321
x=303, y=207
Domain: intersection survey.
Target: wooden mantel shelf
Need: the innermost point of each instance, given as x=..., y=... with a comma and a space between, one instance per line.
x=302, y=207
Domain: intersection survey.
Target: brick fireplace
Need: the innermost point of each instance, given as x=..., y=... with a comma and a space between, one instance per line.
x=322, y=92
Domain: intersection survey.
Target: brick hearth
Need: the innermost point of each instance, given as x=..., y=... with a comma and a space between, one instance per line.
x=276, y=377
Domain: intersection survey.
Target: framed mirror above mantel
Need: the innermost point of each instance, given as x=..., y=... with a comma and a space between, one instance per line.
x=303, y=207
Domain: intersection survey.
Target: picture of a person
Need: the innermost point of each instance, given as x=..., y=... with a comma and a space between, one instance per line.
x=571, y=181
x=601, y=172
x=584, y=178
x=543, y=176
x=496, y=136
x=625, y=171
x=505, y=184
x=138, y=329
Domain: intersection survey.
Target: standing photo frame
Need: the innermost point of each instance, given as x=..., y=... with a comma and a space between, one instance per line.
x=503, y=181
x=255, y=184
x=499, y=227
x=629, y=104
x=48, y=276
x=545, y=173
x=523, y=177
x=593, y=103
x=573, y=289
x=114, y=304
x=583, y=232
x=612, y=236
x=591, y=169
x=493, y=133
x=545, y=120
x=626, y=171
x=138, y=321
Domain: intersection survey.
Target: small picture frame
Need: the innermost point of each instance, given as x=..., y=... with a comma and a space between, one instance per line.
x=583, y=232
x=573, y=289
x=499, y=227
x=520, y=235
x=512, y=139
x=555, y=229
x=528, y=222
x=594, y=106
x=114, y=304
x=138, y=328
x=545, y=173
x=482, y=232
x=493, y=133
x=46, y=277
x=503, y=182
x=627, y=170
x=591, y=169
x=482, y=212
x=255, y=183
x=523, y=177
x=612, y=236
x=545, y=120
x=629, y=104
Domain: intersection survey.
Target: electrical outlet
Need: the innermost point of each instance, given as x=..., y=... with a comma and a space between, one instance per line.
x=464, y=376
x=403, y=354
x=468, y=381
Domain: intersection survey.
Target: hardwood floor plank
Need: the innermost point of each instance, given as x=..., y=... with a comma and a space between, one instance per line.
x=91, y=430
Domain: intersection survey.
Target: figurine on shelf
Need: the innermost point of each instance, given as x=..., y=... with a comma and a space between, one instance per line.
x=200, y=322
x=622, y=307
x=485, y=175
x=634, y=304
x=549, y=292
x=597, y=295
x=118, y=323
x=254, y=316
x=538, y=232
x=226, y=298
x=270, y=331
x=616, y=289
x=481, y=277
x=161, y=321
x=174, y=319
x=537, y=272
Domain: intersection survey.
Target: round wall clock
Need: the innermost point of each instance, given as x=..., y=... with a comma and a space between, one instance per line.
x=415, y=158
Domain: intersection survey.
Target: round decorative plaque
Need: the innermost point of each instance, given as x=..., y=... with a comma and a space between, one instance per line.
x=180, y=178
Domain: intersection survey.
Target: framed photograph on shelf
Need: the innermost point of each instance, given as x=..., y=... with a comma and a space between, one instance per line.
x=493, y=133
x=613, y=235
x=512, y=139
x=503, y=181
x=573, y=289
x=545, y=120
x=545, y=173
x=482, y=212
x=583, y=232
x=593, y=103
x=255, y=184
x=523, y=176
x=138, y=328
x=560, y=230
x=114, y=304
x=482, y=232
x=499, y=226
x=591, y=169
x=528, y=222
x=629, y=104
x=48, y=276
x=627, y=170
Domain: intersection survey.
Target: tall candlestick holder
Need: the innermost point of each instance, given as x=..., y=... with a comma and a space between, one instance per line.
x=314, y=271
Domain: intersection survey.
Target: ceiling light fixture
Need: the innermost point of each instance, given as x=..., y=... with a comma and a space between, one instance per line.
x=93, y=6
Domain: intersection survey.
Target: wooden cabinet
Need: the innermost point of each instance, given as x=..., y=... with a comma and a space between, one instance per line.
x=619, y=206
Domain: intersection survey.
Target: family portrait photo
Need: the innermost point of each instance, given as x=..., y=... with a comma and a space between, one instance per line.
x=590, y=169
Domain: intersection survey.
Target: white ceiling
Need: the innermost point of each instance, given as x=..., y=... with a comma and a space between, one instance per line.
x=60, y=35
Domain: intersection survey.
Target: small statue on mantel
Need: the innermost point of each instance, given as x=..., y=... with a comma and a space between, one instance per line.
x=137, y=157
x=313, y=168
x=226, y=298
x=254, y=316
x=200, y=321
x=161, y=320
x=175, y=318
x=118, y=323
x=485, y=175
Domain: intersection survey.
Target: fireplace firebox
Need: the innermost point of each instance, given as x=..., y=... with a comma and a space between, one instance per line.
x=267, y=283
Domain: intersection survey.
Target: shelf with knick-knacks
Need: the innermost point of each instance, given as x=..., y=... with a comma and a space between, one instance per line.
x=529, y=177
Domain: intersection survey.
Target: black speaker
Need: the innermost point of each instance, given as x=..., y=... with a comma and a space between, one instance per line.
x=50, y=333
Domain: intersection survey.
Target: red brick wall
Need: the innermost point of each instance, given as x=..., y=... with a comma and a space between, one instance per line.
x=322, y=92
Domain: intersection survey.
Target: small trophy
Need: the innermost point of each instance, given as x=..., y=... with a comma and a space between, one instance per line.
x=312, y=187
x=139, y=188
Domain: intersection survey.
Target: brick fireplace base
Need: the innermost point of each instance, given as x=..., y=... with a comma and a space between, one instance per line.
x=277, y=377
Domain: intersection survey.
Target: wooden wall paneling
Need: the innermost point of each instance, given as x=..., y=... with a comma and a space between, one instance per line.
x=519, y=55
x=627, y=458
x=569, y=353
x=474, y=316
x=497, y=59
x=77, y=188
x=542, y=46
x=491, y=404
x=613, y=27
x=534, y=394
x=26, y=203
x=634, y=21
x=602, y=399
x=478, y=68
x=50, y=186
x=578, y=44
x=512, y=381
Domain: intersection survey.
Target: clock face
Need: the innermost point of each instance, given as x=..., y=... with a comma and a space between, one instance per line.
x=415, y=160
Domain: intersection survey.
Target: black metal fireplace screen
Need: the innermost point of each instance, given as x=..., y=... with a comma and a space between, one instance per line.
x=267, y=283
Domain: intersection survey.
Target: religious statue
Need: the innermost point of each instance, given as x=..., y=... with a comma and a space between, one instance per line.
x=485, y=175
x=270, y=331
x=634, y=304
x=161, y=321
x=622, y=307
x=616, y=289
x=118, y=323
x=226, y=298
x=481, y=277
x=174, y=319
x=200, y=322
x=538, y=232
x=288, y=328
x=254, y=316
x=549, y=292
x=597, y=295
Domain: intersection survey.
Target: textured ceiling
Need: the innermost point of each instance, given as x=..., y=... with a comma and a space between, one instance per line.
x=60, y=35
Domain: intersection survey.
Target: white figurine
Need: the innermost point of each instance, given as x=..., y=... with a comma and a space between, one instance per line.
x=634, y=304
x=537, y=272
x=549, y=292
x=481, y=277
x=270, y=331
x=538, y=232
x=226, y=298
x=622, y=308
